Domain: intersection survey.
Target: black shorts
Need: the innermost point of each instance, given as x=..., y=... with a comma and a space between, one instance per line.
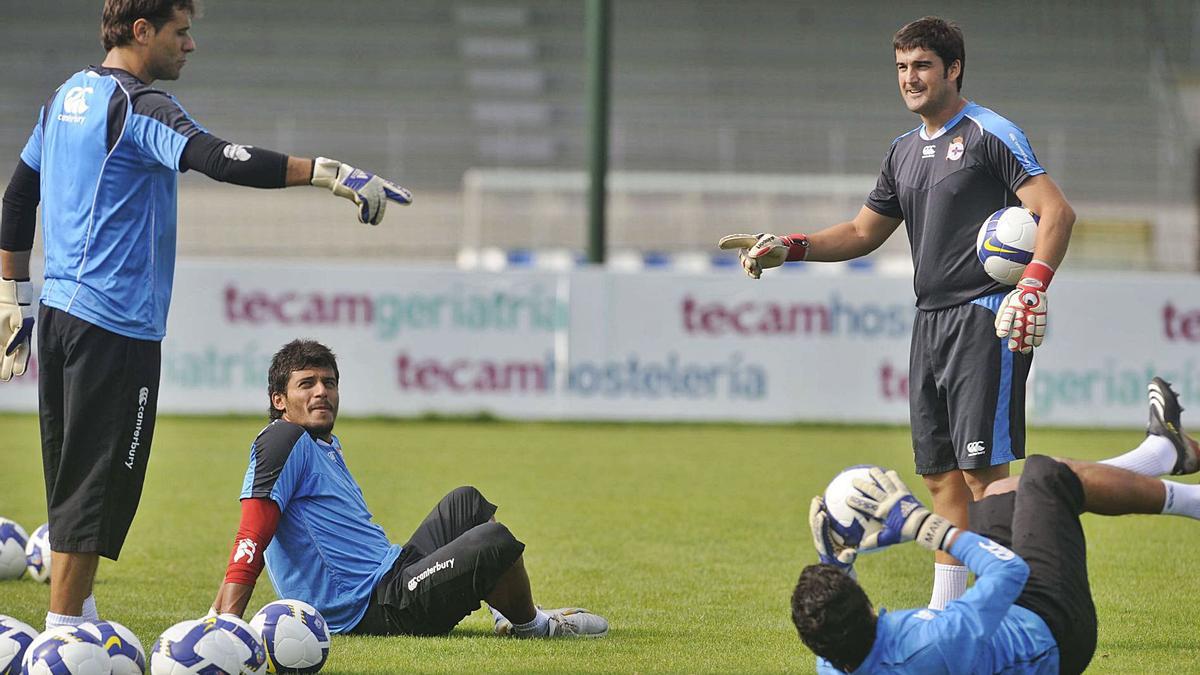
x=98, y=395
x=1040, y=523
x=966, y=390
x=451, y=563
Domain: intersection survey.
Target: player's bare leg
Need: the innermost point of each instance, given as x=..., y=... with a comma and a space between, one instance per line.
x=512, y=596
x=1112, y=491
x=71, y=579
x=951, y=496
x=512, y=607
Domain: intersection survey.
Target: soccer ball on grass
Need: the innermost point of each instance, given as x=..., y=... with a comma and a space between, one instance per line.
x=66, y=650
x=295, y=636
x=193, y=647
x=37, y=554
x=12, y=549
x=123, y=647
x=15, y=638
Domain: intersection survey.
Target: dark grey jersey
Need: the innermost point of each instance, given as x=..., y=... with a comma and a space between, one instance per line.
x=944, y=186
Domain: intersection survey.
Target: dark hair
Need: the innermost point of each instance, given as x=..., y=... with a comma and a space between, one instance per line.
x=116, y=23
x=833, y=616
x=295, y=355
x=942, y=37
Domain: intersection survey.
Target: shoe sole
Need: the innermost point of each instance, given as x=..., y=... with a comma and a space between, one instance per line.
x=1165, y=412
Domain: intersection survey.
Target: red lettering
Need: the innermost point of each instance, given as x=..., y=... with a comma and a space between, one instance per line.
x=231, y=314
x=894, y=384
x=1168, y=318
x=689, y=308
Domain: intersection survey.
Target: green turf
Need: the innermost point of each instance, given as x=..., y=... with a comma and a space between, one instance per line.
x=687, y=537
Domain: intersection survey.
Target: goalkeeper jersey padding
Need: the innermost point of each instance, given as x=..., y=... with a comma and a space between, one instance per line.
x=107, y=147
x=326, y=550
x=944, y=186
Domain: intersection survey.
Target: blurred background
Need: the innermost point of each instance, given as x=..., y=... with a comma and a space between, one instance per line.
x=745, y=116
x=751, y=115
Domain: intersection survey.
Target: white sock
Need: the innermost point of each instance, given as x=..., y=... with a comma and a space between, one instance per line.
x=949, y=583
x=539, y=626
x=1156, y=456
x=496, y=615
x=89, y=608
x=55, y=620
x=1182, y=499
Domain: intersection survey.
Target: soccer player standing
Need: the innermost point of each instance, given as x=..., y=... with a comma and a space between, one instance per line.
x=942, y=179
x=102, y=162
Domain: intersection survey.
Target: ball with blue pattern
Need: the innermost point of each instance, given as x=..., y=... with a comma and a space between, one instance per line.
x=295, y=636
x=66, y=650
x=123, y=647
x=12, y=549
x=250, y=644
x=195, y=647
x=1005, y=243
x=37, y=554
x=15, y=638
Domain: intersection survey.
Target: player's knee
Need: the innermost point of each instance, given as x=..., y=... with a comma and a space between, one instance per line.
x=497, y=538
x=1001, y=486
x=1043, y=471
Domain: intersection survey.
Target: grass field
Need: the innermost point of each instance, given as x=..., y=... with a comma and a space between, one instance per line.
x=687, y=537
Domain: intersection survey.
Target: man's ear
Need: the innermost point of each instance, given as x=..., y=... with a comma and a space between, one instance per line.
x=142, y=31
x=279, y=401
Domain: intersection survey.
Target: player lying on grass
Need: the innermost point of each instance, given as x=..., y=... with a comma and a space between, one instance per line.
x=1030, y=610
x=304, y=517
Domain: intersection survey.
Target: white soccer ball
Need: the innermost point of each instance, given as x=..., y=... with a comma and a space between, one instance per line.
x=123, y=647
x=295, y=636
x=15, y=638
x=66, y=650
x=249, y=641
x=849, y=525
x=37, y=554
x=195, y=646
x=12, y=550
x=1005, y=243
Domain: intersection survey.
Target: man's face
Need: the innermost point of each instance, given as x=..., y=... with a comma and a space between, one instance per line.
x=169, y=46
x=311, y=400
x=926, y=86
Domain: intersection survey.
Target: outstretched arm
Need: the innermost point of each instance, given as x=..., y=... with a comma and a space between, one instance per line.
x=260, y=517
x=844, y=241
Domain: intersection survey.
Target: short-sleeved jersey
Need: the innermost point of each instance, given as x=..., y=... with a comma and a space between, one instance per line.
x=107, y=147
x=326, y=551
x=944, y=187
x=981, y=632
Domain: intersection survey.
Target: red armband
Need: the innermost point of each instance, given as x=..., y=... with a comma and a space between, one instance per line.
x=260, y=517
x=797, y=246
x=1039, y=272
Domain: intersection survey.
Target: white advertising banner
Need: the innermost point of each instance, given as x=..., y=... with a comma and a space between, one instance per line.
x=796, y=345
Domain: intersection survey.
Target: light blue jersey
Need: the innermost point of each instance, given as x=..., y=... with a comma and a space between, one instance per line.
x=107, y=148
x=981, y=632
x=326, y=550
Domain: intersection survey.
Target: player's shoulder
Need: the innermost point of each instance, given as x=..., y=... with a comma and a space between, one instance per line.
x=907, y=136
x=991, y=122
x=278, y=440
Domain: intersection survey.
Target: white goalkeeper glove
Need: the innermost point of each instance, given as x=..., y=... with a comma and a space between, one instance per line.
x=370, y=192
x=16, y=326
x=1022, y=315
x=759, y=252
x=830, y=549
x=886, y=499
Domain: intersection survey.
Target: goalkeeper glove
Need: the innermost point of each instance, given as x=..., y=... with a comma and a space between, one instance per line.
x=886, y=499
x=830, y=548
x=16, y=326
x=763, y=251
x=1022, y=314
x=369, y=191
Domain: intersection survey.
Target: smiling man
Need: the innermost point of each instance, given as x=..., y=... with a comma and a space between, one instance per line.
x=967, y=370
x=102, y=162
x=305, y=518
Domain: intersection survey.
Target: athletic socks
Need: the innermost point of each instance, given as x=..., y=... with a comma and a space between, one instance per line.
x=496, y=615
x=539, y=626
x=89, y=609
x=1182, y=499
x=949, y=583
x=1156, y=456
x=55, y=620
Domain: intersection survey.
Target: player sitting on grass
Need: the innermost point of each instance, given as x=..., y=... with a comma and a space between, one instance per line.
x=1030, y=610
x=299, y=498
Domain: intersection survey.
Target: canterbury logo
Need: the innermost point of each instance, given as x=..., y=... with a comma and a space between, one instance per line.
x=239, y=153
x=989, y=246
x=429, y=571
x=75, y=102
x=247, y=548
x=976, y=448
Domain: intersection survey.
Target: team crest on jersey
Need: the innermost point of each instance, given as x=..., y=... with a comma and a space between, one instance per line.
x=955, y=152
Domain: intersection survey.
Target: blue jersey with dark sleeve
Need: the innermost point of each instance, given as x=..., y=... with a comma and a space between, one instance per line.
x=107, y=147
x=326, y=551
x=981, y=632
x=944, y=186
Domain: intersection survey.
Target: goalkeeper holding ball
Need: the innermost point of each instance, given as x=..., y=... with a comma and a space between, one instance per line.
x=1030, y=610
x=942, y=179
x=102, y=162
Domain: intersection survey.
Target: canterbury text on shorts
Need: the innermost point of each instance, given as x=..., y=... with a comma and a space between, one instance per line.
x=450, y=564
x=966, y=389
x=1040, y=523
x=98, y=395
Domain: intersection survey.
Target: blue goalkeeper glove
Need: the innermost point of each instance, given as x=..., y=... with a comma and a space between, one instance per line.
x=16, y=326
x=886, y=499
x=370, y=192
x=830, y=549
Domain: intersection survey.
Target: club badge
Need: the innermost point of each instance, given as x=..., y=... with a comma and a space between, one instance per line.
x=955, y=152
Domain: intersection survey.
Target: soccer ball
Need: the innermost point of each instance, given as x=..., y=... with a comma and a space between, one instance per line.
x=15, y=638
x=1005, y=243
x=123, y=647
x=195, y=646
x=66, y=650
x=250, y=645
x=849, y=525
x=12, y=550
x=294, y=635
x=37, y=554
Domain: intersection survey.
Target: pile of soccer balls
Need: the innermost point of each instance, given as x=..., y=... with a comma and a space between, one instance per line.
x=286, y=636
